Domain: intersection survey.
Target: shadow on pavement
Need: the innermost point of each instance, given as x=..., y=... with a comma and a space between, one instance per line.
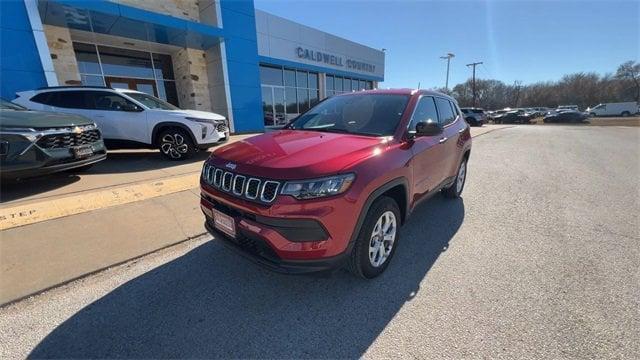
x=18, y=189
x=212, y=303
x=135, y=161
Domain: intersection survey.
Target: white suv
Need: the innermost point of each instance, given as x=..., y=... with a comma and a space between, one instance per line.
x=133, y=119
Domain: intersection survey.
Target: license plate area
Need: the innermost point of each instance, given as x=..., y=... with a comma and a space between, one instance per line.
x=224, y=223
x=82, y=151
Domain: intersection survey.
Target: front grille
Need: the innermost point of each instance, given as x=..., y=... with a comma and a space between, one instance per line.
x=250, y=188
x=61, y=141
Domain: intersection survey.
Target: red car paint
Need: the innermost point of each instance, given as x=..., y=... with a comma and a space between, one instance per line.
x=422, y=163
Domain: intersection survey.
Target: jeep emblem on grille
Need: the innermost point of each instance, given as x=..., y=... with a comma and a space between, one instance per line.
x=231, y=166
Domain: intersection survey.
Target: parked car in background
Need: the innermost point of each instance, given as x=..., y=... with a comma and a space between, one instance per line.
x=334, y=186
x=567, y=116
x=37, y=143
x=614, y=109
x=496, y=114
x=474, y=116
x=133, y=119
x=513, y=117
x=567, y=107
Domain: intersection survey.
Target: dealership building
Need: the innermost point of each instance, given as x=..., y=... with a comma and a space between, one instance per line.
x=255, y=68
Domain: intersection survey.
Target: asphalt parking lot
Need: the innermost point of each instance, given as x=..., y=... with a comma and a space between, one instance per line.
x=539, y=259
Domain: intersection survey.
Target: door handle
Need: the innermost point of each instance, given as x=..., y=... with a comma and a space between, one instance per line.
x=462, y=130
x=443, y=140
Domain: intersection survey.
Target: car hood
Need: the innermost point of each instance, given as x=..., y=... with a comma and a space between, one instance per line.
x=191, y=113
x=40, y=119
x=297, y=154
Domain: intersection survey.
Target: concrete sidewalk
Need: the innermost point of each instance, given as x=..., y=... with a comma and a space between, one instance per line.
x=72, y=234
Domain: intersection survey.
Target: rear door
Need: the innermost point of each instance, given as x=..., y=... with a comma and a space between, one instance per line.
x=453, y=127
x=428, y=153
x=118, y=118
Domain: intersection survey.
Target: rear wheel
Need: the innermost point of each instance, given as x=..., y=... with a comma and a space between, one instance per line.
x=377, y=239
x=455, y=189
x=625, y=114
x=175, y=144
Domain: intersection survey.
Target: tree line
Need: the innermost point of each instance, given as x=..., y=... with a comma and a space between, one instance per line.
x=582, y=89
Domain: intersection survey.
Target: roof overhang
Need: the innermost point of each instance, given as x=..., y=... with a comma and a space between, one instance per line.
x=111, y=18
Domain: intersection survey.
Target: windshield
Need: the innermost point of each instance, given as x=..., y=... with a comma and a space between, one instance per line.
x=151, y=102
x=8, y=105
x=364, y=114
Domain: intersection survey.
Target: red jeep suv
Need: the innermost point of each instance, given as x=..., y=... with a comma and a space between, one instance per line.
x=333, y=186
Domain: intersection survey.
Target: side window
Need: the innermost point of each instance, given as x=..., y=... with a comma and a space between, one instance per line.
x=102, y=100
x=43, y=98
x=425, y=110
x=70, y=100
x=447, y=115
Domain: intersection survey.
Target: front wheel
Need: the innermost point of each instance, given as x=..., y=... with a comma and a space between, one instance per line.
x=176, y=144
x=454, y=190
x=377, y=239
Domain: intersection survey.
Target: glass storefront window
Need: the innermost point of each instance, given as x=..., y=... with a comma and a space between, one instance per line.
x=301, y=79
x=369, y=85
x=354, y=85
x=291, y=100
x=339, y=83
x=163, y=66
x=313, y=80
x=126, y=63
x=92, y=80
x=127, y=69
x=330, y=83
x=87, y=59
x=314, y=97
x=362, y=85
x=289, y=78
x=303, y=100
x=270, y=75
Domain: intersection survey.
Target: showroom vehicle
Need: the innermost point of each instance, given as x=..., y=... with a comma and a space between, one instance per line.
x=133, y=119
x=37, y=143
x=567, y=116
x=614, y=109
x=474, y=116
x=334, y=185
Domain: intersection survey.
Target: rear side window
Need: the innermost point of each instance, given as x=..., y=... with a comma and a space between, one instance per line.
x=445, y=109
x=425, y=110
x=63, y=99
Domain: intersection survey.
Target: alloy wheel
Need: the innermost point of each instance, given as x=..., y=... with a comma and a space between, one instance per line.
x=174, y=146
x=462, y=173
x=382, y=238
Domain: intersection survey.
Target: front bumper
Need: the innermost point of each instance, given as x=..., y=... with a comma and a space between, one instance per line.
x=286, y=236
x=6, y=172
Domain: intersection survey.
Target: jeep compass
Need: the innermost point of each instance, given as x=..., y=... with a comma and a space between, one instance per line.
x=333, y=187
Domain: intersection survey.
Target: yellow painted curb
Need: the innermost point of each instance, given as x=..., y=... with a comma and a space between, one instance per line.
x=27, y=214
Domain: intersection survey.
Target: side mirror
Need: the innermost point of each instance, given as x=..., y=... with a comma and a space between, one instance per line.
x=428, y=128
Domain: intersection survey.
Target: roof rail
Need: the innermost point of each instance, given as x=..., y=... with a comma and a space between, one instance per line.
x=73, y=87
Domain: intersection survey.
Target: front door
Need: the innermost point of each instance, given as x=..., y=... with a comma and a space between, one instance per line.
x=143, y=85
x=428, y=152
x=119, y=119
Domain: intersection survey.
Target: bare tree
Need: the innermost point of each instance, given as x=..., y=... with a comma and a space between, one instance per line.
x=630, y=71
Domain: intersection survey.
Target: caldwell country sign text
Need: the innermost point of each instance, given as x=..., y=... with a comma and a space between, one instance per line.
x=334, y=60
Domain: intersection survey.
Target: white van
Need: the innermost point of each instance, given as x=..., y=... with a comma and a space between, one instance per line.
x=614, y=109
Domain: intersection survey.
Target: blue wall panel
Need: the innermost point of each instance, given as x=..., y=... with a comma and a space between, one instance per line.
x=20, y=66
x=239, y=26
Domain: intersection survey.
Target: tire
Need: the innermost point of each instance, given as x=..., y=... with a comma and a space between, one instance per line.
x=175, y=144
x=471, y=121
x=455, y=190
x=366, y=262
x=625, y=114
x=592, y=114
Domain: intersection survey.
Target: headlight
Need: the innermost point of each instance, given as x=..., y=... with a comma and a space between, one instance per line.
x=314, y=188
x=208, y=121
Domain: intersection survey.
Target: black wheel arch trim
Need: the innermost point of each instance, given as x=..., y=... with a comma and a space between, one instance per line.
x=373, y=197
x=169, y=124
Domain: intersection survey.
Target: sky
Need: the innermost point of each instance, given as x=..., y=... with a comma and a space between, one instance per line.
x=525, y=41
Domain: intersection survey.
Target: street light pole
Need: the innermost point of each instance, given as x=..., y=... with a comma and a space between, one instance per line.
x=448, y=57
x=473, y=83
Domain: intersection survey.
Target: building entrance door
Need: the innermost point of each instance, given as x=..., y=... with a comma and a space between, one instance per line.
x=144, y=85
